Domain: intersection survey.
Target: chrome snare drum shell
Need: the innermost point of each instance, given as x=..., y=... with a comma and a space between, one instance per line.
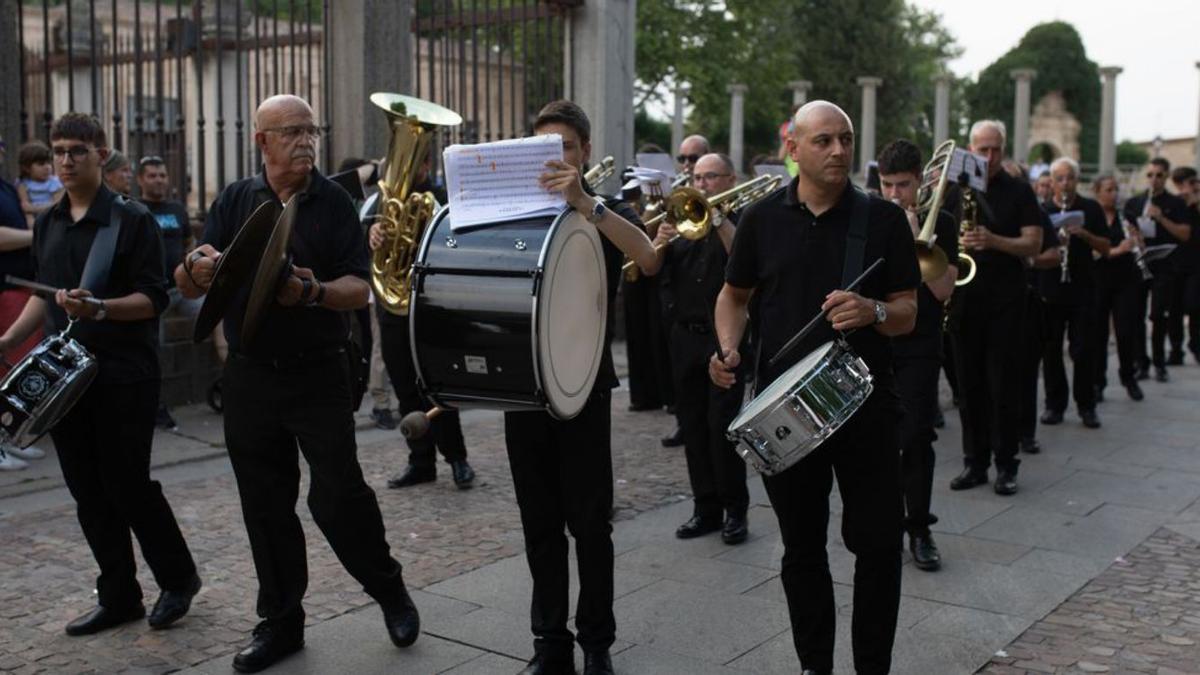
x=802, y=408
x=43, y=387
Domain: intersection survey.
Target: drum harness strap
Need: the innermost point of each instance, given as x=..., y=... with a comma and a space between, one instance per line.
x=104, y=246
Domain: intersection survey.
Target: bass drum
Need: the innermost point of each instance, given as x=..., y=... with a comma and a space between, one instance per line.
x=509, y=316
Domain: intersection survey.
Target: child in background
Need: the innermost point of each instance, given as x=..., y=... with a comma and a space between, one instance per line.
x=38, y=187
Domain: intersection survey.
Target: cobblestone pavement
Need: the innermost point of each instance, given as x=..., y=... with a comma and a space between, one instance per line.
x=436, y=531
x=1141, y=615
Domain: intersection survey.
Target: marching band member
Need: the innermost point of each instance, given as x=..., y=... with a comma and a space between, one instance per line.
x=1118, y=290
x=290, y=389
x=790, y=252
x=106, y=465
x=987, y=314
x=918, y=355
x=1187, y=185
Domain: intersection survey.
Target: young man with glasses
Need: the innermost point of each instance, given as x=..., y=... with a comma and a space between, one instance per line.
x=689, y=279
x=1168, y=214
x=104, y=442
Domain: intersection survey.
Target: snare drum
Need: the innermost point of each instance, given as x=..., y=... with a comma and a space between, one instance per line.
x=509, y=316
x=43, y=387
x=801, y=408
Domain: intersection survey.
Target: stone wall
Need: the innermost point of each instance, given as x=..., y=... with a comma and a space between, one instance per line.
x=188, y=368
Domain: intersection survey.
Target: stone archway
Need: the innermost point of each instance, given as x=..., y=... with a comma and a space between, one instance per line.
x=1054, y=126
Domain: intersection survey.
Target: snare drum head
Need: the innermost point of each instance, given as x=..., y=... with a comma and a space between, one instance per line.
x=572, y=312
x=767, y=398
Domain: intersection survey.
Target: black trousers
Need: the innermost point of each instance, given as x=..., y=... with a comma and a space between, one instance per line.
x=948, y=364
x=1075, y=323
x=1144, y=289
x=988, y=375
x=716, y=472
x=917, y=383
x=562, y=473
x=103, y=446
x=863, y=456
x=1123, y=305
x=645, y=343
x=1166, y=319
x=270, y=413
x=1189, y=304
x=1031, y=346
x=445, y=433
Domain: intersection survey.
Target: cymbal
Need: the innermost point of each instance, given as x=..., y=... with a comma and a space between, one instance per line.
x=272, y=270
x=425, y=111
x=235, y=267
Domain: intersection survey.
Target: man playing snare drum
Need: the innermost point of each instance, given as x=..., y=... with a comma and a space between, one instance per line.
x=789, y=251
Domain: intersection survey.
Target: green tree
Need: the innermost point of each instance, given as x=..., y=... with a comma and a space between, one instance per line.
x=1129, y=152
x=1056, y=51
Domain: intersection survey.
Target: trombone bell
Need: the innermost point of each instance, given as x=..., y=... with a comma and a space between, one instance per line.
x=932, y=261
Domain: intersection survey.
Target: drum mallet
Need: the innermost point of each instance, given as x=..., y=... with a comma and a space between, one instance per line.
x=415, y=424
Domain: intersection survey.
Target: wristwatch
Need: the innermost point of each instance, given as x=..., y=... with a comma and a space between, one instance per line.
x=101, y=313
x=597, y=212
x=880, y=312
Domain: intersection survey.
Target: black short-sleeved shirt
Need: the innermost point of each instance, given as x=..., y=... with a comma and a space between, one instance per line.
x=173, y=223
x=692, y=275
x=1012, y=205
x=18, y=262
x=326, y=238
x=1080, y=263
x=127, y=351
x=1174, y=209
x=1122, y=270
x=926, y=338
x=793, y=260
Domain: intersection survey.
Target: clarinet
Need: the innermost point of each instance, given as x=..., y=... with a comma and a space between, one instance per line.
x=1064, y=248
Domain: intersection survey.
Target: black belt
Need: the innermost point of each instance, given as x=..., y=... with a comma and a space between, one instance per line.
x=697, y=327
x=293, y=361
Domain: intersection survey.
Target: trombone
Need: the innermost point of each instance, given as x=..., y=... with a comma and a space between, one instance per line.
x=599, y=173
x=932, y=259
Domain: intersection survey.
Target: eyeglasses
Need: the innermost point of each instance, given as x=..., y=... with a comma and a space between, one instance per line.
x=77, y=152
x=709, y=176
x=1156, y=174
x=687, y=159
x=294, y=131
x=151, y=159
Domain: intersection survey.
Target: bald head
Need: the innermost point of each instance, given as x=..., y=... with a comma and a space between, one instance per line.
x=690, y=150
x=822, y=144
x=285, y=130
x=817, y=112
x=280, y=106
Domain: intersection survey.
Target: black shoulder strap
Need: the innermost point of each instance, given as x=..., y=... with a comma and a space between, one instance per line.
x=104, y=246
x=856, y=238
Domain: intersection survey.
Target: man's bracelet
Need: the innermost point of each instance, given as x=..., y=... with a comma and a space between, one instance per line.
x=320, y=296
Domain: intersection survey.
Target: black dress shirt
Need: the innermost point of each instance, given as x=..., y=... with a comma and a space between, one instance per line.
x=1011, y=205
x=692, y=275
x=1080, y=263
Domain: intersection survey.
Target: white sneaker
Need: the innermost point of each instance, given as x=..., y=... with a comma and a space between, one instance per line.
x=10, y=463
x=32, y=452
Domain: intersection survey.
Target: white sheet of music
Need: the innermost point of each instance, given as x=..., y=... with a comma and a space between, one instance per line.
x=1066, y=218
x=497, y=182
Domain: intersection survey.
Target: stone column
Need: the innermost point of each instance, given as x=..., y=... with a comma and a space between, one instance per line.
x=1108, y=110
x=1020, y=133
x=866, y=131
x=941, y=107
x=800, y=89
x=600, y=53
x=10, y=86
x=681, y=93
x=371, y=50
x=737, y=124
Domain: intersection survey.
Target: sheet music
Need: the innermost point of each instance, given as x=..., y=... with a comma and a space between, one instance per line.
x=1066, y=218
x=1159, y=251
x=1146, y=225
x=644, y=178
x=497, y=182
x=976, y=167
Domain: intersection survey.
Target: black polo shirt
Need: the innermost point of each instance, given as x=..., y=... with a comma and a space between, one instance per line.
x=692, y=275
x=18, y=262
x=1174, y=209
x=326, y=238
x=926, y=339
x=173, y=223
x=1011, y=204
x=1122, y=270
x=1080, y=262
x=793, y=259
x=127, y=351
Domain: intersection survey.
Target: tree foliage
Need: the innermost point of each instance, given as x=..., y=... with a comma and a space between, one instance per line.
x=1129, y=152
x=1056, y=52
x=764, y=44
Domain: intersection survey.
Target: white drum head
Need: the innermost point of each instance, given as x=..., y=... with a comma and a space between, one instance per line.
x=773, y=394
x=571, y=312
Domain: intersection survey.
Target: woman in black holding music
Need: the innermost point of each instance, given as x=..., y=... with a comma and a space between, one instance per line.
x=1119, y=279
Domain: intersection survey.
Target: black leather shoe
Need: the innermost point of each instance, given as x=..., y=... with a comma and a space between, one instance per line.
x=1135, y=390
x=643, y=407
x=1099, y=394
x=464, y=475
x=541, y=665
x=1160, y=375
x=1029, y=446
x=103, y=618
x=172, y=605
x=674, y=440
x=697, y=527
x=735, y=531
x=924, y=552
x=1142, y=373
x=1006, y=483
x=402, y=620
x=1090, y=419
x=1175, y=359
x=597, y=663
x=814, y=671
x=1052, y=417
x=968, y=479
x=268, y=646
x=413, y=475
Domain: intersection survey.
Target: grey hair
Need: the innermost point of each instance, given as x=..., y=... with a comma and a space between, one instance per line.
x=1067, y=162
x=982, y=125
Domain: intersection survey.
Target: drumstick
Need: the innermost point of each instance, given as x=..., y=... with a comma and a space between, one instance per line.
x=415, y=424
x=808, y=327
x=44, y=291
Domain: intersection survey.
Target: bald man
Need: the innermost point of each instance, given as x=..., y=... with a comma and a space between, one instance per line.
x=290, y=387
x=690, y=151
x=792, y=251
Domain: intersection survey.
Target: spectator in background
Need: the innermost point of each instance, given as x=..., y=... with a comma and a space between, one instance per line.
x=118, y=175
x=154, y=184
x=1043, y=187
x=38, y=187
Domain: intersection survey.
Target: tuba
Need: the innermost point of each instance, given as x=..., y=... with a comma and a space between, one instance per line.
x=403, y=214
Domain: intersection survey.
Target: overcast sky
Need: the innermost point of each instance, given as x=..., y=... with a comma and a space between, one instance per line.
x=1155, y=41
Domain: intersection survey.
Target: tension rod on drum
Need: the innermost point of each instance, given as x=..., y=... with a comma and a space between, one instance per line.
x=808, y=327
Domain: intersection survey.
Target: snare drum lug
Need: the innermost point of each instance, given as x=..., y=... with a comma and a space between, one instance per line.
x=519, y=244
x=451, y=242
